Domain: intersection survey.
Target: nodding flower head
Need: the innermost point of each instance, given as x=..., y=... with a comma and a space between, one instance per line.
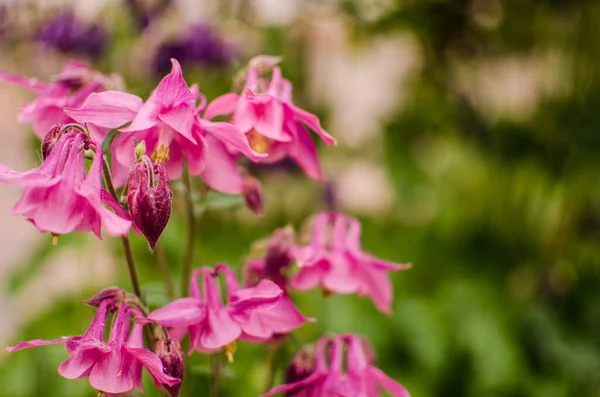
x=170, y=354
x=149, y=197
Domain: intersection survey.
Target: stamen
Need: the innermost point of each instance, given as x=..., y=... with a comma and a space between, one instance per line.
x=55, y=239
x=161, y=154
x=258, y=142
x=230, y=349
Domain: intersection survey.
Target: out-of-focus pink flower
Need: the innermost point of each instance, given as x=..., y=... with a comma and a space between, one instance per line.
x=335, y=260
x=149, y=197
x=69, y=89
x=60, y=197
x=328, y=378
x=173, y=131
x=114, y=366
x=213, y=325
x=274, y=125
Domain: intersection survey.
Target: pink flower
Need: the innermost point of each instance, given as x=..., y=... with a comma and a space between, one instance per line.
x=60, y=197
x=265, y=113
x=328, y=379
x=69, y=89
x=335, y=260
x=114, y=366
x=212, y=324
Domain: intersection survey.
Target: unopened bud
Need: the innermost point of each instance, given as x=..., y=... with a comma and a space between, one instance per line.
x=50, y=140
x=301, y=366
x=170, y=354
x=140, y=149
x=114, y=294
x=149, y=198
x=253, y=195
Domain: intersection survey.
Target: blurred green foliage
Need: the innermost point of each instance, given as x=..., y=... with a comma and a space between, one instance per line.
x=500, y=217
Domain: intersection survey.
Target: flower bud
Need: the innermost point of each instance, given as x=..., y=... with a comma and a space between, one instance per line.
x=170, y=354
x=114, y=294
x=301, y=366
x=149, y=198
x=50, y=140
x=253, y=195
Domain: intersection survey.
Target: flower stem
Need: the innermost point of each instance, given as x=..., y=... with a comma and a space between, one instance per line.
x=191, y=233
x=216, y=366
x=161, y=260
x=272, y=365
x=125, y=239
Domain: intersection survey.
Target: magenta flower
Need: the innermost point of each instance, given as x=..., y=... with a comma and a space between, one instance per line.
x=335, y=260
x=69, y=89
x=149, y=197
x=114, y=366
x=173, y=131
x=328, y=379
x=212, y=324
x=60, y=197
x=265, y=113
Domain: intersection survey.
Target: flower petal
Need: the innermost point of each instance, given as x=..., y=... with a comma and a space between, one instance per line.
x=179, y=313
x=220, y=106
x=390, y=385
x=263, y=296
x=109, y=109
x=36, y=343
x=233, y=137
x=110, y=374
x=153, y=365
x=312, y=122
x=221, y=172
x=220, y=329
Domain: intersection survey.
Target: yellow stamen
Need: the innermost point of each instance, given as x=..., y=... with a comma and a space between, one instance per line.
x=327, y=292
x=160, y=154
x=230, y=349
x=258, y=142
x=55, y=239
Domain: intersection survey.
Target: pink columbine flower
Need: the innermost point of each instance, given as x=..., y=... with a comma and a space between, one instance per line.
x=69, y=89
x=114, y=366
x=60, y=196
x=212, y=324
x=170, y=124
x=328, y=378
x=335, y=260
x=265, y=113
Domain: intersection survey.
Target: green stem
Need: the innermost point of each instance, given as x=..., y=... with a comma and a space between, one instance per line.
x=216, y=366
x=161, y=260
x=191, y=234
x=125, y=239
x=272, y=365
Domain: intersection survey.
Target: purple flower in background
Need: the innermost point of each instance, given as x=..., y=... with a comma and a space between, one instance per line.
x=199, y=45
x=65, y=33
x=145, y=13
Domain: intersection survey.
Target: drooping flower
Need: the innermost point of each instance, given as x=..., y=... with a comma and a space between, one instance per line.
x=170, y=125
x=149, y=197
x=65, y=33
x=69, y=89
x=265, y=113
x=170, y=354
x=335, y=261
x=60, y=196
x=212, y=324
x=114, y=366
x=327, y=377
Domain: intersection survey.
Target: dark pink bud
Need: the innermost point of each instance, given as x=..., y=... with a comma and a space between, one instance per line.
x=149, y=198
x=253, y=194
x=301, y=366
x=114, y=294
x=170, y=354
x=54, y=134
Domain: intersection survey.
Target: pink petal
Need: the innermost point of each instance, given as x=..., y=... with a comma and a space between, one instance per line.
x=27, y=82
x=153, y=365
x=181, y=119
x=308, y=277
x=269, y=117
x=110, y=374
x=81, y=362
x=36, y=343
x=221, y=172
x=390, y=385
x=233, y=137
x=312, y=122
x=195, y=154
x=314, y=379
x=179, y=313
x=109, y=109
x=114, y=224
x=145, y=119
x=223, y=105
x=221, y=329
x=263, y=296
x=173, y=90
x=304, y=153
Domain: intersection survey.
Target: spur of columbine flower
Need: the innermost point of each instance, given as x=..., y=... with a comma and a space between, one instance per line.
x=173, y=131
x=284, y=317
x=335, y=260
x=265, y=113
x=113, y=366
x=60, y=196
x=212, y=324
x=69, y=88
x=322, y=375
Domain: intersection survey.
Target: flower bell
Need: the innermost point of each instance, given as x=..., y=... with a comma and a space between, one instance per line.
x=149, y=197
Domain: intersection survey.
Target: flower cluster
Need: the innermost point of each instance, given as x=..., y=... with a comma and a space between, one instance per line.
x=108, y=159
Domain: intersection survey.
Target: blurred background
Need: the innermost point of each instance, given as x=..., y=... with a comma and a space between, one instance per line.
x=469, y=145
